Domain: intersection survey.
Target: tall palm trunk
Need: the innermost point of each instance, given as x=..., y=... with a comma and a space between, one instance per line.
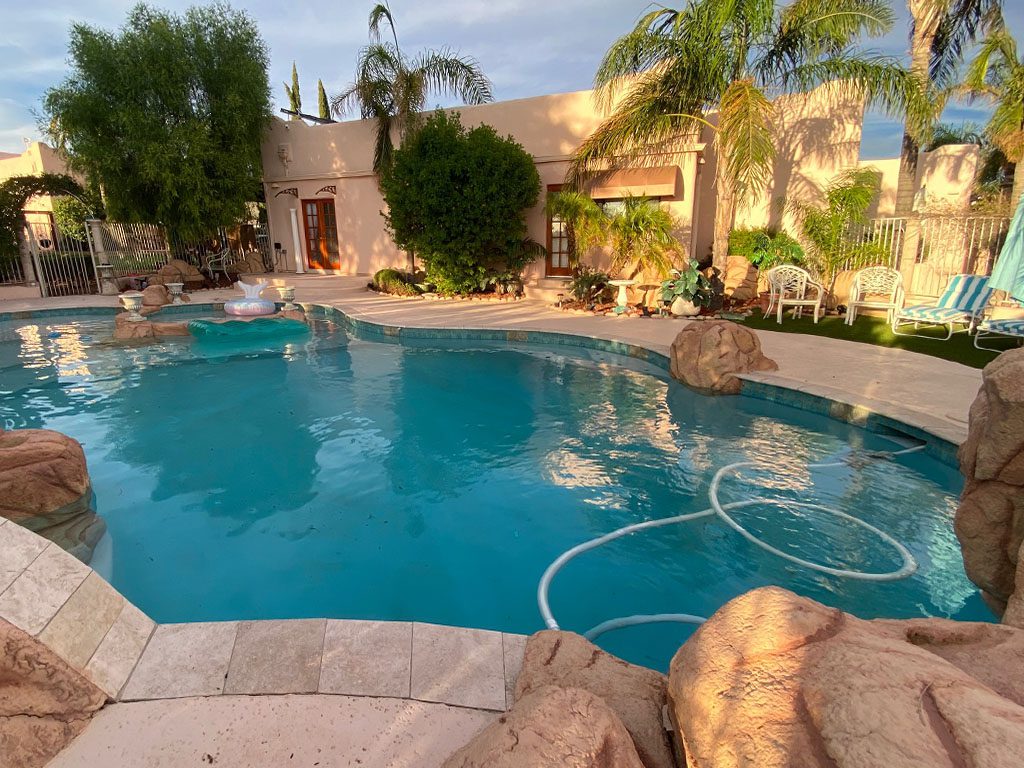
x=725, y=214
x=926, y=25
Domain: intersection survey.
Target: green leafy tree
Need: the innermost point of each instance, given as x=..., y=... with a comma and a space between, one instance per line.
x=940, y=33
x=167, y=115
x=392, y=88
x=294, y=94
x=825, y=225
x=458, y=198
x=997, y=74
x=17, y=190
x=322, y=104
x=663, y=80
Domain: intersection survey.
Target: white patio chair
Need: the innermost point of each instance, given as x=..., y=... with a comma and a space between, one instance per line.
x=963, y=302
x=788, y=286
x=875, y=288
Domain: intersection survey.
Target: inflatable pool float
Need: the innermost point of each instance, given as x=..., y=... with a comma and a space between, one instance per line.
x=260, y=329
x=252, y=305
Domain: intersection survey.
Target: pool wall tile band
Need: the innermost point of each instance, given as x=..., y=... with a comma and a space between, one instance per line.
x=938, y=447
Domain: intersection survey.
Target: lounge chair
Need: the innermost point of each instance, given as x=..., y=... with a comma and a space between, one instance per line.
x=875, y=288
x=788, y=286
x=963, y=302
x=1012, y=327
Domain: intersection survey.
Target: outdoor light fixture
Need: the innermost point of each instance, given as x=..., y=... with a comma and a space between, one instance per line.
x=561, y=298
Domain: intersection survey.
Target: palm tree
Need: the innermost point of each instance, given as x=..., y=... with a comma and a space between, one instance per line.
x=642, y=235
x=997, y=73
x=940, y=32
x=734, y=56
x=392, y=88
x=586, y=223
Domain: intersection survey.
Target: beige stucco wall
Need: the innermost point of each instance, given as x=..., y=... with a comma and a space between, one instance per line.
x=37, y=158
x=946, y=173
x=818, y=134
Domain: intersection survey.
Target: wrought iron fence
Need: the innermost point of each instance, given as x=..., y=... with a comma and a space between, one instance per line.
x=12, y=272
x=133, y=250
x=886, y=234
x=953, y=245
x=62, y=261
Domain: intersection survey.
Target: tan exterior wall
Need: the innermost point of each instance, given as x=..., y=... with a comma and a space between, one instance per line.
x=946, y=173
x=818, y=135
x=37, y=158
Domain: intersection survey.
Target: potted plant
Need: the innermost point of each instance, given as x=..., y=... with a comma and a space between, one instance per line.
x=688, y=290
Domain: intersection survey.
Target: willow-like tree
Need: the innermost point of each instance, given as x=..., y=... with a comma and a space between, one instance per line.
x=167, y=115
x=294, y=94
x=392, y=88
x=663, y=80
x=997, y=74
x=940, y=33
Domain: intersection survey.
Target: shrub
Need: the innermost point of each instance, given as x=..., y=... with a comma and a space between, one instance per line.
x=589, y=284
x=394, y=282
x=765, y=248
x=457, y=199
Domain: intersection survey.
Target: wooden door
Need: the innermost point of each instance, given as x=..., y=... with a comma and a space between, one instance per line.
x=321, y=227
x=557, y=262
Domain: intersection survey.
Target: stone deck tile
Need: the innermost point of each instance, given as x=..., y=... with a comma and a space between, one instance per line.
x=183, y=660
x=20, y=547
x=119, y=652
x=42, y=588
x=276, y=657
x=464, y=667
x=513, y=648
x=367, y=658
x=84, y=620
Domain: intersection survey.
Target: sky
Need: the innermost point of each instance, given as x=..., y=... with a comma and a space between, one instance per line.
x=526, y=47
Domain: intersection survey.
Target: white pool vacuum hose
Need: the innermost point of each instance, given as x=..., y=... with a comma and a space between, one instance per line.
x=908, y=567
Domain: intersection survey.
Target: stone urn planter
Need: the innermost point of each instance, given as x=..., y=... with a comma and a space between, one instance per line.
x=683, y=308
x=133, y=303
x=175, y=290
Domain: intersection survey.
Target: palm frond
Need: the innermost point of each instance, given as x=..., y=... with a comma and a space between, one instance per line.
x=962, y=23
x=446, y=72
x=745, y=136
x=379, y=13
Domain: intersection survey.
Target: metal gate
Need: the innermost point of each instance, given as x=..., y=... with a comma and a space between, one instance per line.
x=62, y=262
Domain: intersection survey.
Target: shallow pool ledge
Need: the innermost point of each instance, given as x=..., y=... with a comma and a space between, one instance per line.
x=64, y=604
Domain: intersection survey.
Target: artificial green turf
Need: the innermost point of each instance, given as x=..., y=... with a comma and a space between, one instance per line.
x=874, y=330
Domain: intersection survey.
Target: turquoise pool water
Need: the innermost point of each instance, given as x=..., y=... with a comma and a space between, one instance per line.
x=435, y=481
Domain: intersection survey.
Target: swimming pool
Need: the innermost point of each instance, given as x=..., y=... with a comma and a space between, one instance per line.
x=435, y=480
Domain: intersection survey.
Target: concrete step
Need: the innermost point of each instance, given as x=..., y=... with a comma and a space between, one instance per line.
x=546, y=289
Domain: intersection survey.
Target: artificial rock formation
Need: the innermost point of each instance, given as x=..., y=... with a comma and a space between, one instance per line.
x=178, y=271
x=44, y=486
x=147, y=329
x=775, y=680
x=990, y=519
x=740, y=279
x=551, y=728
x=44, y=702
x=707, y=355
x=636, y=694
x=155, y=296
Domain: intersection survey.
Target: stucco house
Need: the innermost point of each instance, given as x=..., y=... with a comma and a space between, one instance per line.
x=324, y=206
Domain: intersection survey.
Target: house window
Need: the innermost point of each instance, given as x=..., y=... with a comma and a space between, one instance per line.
x=559, y=255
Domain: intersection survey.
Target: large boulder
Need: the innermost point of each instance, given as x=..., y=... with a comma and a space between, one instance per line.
x=775, y=680
x=990, y=519
x=155, y=296
x=551, y=728
x=707, y=355
x=178, y=271
x=45, y=487
x=740, y=279
x=44, y=702
x=636, y=694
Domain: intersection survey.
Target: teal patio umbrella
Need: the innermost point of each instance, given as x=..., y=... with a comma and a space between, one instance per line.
x=1008, y=273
